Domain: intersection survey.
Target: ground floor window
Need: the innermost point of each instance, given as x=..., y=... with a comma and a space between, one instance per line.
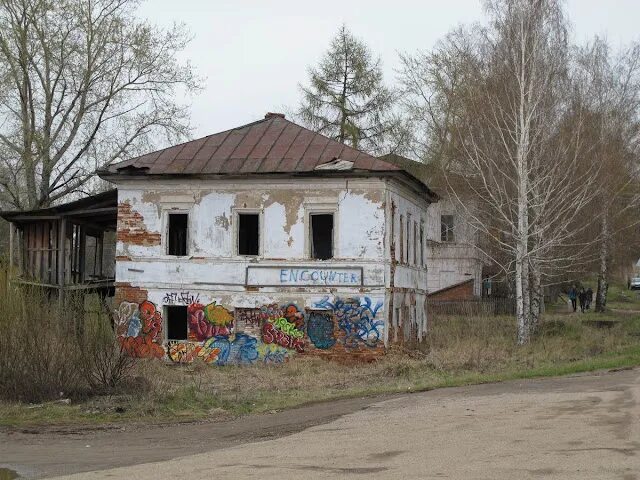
x=176, y=316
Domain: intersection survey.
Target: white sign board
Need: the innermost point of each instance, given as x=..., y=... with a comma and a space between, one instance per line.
x=303, y=276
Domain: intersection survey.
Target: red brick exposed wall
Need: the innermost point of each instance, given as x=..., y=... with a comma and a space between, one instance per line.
x=126, y=293
x=132, y=229
x=461, y=291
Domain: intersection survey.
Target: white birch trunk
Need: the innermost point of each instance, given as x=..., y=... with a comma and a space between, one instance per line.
x=603, y=284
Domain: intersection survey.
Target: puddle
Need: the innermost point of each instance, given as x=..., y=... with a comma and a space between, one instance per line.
x=8, y=474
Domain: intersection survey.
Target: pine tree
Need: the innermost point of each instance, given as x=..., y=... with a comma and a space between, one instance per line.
x=346, y=98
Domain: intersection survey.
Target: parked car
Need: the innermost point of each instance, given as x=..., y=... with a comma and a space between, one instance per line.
x=634, y=283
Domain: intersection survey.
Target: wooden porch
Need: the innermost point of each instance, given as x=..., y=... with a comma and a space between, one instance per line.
x=70, y=247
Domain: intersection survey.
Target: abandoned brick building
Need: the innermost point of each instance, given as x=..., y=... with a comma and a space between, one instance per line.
x=250, y=245
x=265, y=241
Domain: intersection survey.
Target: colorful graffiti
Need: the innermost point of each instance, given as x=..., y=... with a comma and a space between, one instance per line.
x=218, y=350
x=357, y=319
x=211, y=336
x=320, y=330
x=208, y=321
x=276, y=332
x=187, y=352
x=270, y=334
x=271, y=353
x=139, y=328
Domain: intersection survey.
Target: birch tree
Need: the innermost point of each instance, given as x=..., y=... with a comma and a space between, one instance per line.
x=611, y=83
x=511, y=134
x=82, y=83
x=346, y=98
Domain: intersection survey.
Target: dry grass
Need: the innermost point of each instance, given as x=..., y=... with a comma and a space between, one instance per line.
x=50, y=350
x=459, y=350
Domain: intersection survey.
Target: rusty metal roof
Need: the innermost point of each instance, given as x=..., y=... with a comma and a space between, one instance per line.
x=272, y=145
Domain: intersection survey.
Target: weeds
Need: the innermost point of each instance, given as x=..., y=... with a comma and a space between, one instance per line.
x=50, y=350
x=459, y=350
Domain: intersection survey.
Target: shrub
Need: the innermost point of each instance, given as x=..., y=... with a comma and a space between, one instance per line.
x=48, y=350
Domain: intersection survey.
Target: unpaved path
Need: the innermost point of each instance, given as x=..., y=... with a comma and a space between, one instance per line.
x=585, y=426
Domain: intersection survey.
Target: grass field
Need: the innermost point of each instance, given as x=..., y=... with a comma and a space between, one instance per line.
x=459, y=351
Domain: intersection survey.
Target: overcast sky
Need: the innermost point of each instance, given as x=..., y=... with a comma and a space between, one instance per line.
x=253, y=53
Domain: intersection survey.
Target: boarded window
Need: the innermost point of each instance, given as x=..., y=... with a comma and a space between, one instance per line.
x=322, y=236
x=446, y=228
x=178, y=234
x=248, y=233
x=176, y=322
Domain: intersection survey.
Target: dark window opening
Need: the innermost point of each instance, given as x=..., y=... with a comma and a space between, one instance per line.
x=248, y=233
x=446, y=228
x=322, y=236
x=176, y=322
x=401, y=239
x=421, y=246
x=178, y=234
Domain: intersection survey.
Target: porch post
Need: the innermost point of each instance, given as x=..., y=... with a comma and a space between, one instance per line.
x=12, y=240
x=62, y=241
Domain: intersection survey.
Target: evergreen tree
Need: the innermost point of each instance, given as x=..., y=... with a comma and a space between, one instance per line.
x=346, y=98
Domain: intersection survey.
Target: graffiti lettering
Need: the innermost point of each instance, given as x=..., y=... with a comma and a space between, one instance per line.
x=187, y=352
x=208, y=321
x=357, y=319
x=287, y=327
x=138, y=329
x=319, y=276
x=184, y=298
x=271, y=335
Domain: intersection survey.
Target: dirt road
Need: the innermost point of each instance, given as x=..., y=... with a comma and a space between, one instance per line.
x=573, y=427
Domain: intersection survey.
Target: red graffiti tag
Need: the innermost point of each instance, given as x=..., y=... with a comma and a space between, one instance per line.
x=200, y=327
x=271, y=335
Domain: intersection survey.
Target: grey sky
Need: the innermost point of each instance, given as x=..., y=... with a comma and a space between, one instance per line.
x=254, y=53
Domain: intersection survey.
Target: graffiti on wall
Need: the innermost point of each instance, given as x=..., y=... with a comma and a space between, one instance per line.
x=139, y=328
x=320, y=330
x=181, y=298
x=357, y=319
x=213, y=340
x=277, y=332
x=208, y=321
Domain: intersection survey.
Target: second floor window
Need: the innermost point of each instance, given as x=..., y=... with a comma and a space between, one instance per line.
x=446, y=228
x=248, y=234
x=178, y=225
x=321, y=236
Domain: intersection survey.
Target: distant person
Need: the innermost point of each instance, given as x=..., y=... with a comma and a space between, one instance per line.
x=589, y=298
x=582, y=298
x=573, y=296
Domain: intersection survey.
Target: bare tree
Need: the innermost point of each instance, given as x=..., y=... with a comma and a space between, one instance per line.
x=498, y=107
x=82, y=83
x=611, y=95
x=346, y=98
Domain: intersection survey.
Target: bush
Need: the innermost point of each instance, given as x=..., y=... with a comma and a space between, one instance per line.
x=49, y=351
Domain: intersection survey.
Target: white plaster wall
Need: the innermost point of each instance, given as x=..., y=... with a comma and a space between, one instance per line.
x=408, y=297
x=452, y=262
x=463, y=230
x=284, y=206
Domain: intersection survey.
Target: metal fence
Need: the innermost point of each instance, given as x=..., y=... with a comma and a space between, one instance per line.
x=476, y=307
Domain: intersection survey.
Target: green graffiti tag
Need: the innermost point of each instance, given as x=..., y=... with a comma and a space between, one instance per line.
x=287, y=327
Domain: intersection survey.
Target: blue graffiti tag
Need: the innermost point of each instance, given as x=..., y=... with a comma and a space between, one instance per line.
x=241, y=351
x=357, y=319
